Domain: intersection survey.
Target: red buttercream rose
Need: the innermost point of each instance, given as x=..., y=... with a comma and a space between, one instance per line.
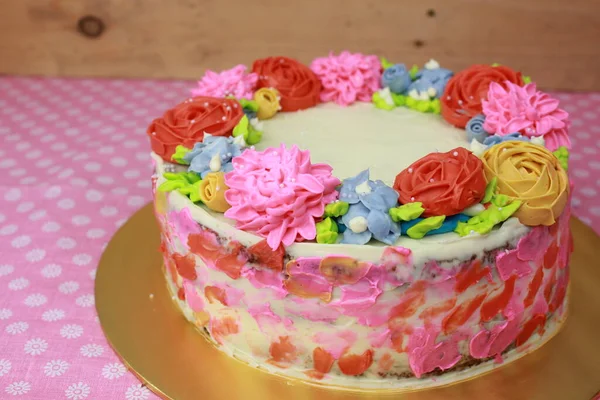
x=187, y=122
x=297, y=85
x=464, y=92
x=446, y=183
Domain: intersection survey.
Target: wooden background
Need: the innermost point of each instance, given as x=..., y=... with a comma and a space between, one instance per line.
x=557, y=42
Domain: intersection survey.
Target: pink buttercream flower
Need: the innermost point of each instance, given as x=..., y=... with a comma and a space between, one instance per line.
x=231, y=82
x=526, y=110
x=278, y=193
x=348, y=77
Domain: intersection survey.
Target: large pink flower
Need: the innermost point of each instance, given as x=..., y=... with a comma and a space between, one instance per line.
x=348, y=77
x=231, y=82
x=278, y=193
x=526, y=110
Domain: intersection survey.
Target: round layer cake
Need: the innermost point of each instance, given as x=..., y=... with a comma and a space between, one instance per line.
x=339, y=230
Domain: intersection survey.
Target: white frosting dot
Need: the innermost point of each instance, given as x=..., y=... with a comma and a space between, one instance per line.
x=206, y=104
x=412, y=199
x=431, y=180
x=223, y=118
x=281, y=185
x=410, y=170
x=460, y=102
x=455, y=154
x=358, y=224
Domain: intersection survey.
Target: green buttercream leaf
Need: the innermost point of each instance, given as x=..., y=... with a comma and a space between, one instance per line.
x=327, y=237
x=399, y=99
x=169, y=186
x=485, y=221
x=490, y=190
x=526, y=79
x=413, y=71
x=327, y=225
x=562, y=153
x=407, y=212
x=192, y=191
x=336, y=209
x=496, y=65
x=500, y=200
x=180, y=152
x=379, y=102
x=242, y=127
x=436, y=106
x=419, y=230
x=424, y=106
x=249, y=104
x=385, y=63
x=327, y=231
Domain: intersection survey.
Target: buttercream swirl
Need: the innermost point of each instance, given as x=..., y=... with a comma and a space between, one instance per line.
x=348, y=77
x=464, y=92
x=531, y=174
x=278, y=193
x=297, y=85
x=445, y=183
x=188, y=122
x=512, y=108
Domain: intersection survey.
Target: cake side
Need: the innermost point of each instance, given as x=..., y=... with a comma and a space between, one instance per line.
x=337, y=317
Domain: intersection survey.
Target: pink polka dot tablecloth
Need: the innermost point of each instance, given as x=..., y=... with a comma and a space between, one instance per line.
x=74, y=166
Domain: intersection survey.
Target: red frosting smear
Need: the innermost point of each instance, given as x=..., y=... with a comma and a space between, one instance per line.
x=282, y=352
x=267, y=257
x=493, y=306
x=207, y=247
x=560, y=292
x=529, y=328
x=446, y=183
x=549, y=286
x=356, y=364
x=323, y=360
x=186, y=266
x=225, y=326
x=534, y=287
x=461, y=314
x=297, y=85
x=438, y=309
x=385, y=363
x=464, y=92
x=186, y=123
x=410, y=301
x=551, y=255
x=213, y=293
x=471, y=275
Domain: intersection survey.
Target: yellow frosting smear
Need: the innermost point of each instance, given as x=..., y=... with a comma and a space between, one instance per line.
x=532, y=174
x=212, y=191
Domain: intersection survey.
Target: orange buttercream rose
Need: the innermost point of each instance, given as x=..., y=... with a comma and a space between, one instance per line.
x=464, y=92
x=531, y=174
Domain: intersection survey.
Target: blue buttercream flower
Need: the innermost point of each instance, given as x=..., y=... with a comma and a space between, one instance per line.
x=475, y=129
x=496, y=139
x=397, y=78
x=214, y=154
x=368, y=216
x=431, y=81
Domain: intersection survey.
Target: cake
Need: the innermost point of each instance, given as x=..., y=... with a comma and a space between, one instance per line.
x=356, y=223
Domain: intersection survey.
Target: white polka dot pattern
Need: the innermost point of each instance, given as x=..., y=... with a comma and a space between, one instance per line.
x=74, y=166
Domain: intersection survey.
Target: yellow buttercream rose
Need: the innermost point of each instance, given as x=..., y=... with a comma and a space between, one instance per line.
x=268, y=103
x=532, y=174
x=211, y=191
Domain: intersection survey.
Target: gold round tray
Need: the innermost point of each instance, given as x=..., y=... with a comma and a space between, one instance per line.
x=165, y=351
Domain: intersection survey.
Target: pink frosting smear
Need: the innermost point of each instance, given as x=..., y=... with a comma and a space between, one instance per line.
x=192, y=297
x=425, y=355
x=231, y=82
x=278, y=193
x=508, y=263
x=265, y=317
x=183, y=224
x=311, y=309
x=526, y=110
x=488, y=343
x=348, y=77
x=264, y=279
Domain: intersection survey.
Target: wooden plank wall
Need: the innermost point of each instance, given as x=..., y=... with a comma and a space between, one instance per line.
x=557, y=42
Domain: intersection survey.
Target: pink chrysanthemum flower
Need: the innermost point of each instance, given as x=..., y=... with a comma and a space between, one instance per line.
x=278, y=193
x=528, y=111
x=348, y=77
x=231, y=82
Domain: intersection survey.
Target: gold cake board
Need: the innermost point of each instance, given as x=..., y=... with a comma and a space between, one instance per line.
x=167, y=353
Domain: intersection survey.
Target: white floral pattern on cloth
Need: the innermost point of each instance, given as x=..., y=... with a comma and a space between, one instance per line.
x=74, y=165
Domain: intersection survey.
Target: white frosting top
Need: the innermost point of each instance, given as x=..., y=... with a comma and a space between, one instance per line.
x=352, y=139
